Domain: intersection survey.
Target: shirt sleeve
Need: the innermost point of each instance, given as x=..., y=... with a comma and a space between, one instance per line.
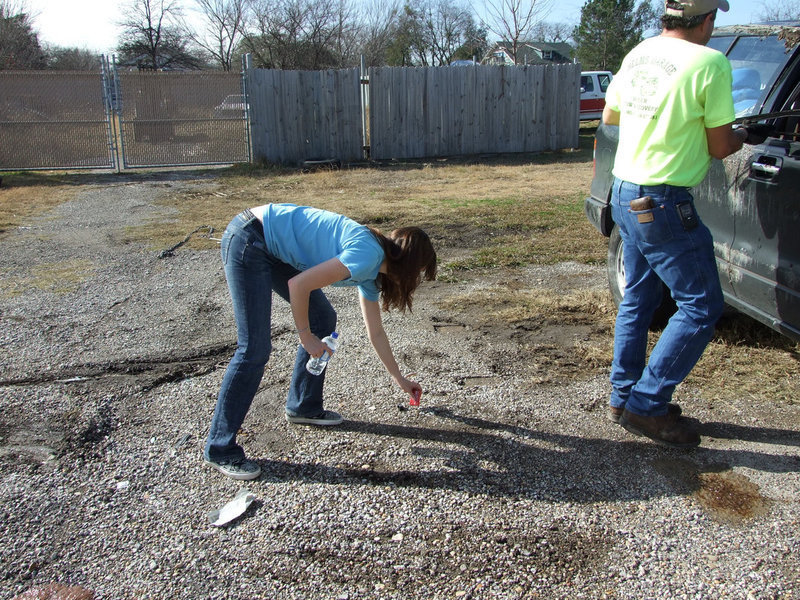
x=719, y=95
x=360, y=261
x=363, y=261
x=612, y=100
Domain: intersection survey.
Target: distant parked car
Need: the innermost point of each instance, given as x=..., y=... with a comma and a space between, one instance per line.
x=593, y=93
x=750, y=200
x=231, y=102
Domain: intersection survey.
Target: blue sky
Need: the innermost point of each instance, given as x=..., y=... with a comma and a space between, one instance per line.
x=91, y=23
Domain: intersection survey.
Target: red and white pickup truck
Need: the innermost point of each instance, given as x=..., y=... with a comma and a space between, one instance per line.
x=593, y=93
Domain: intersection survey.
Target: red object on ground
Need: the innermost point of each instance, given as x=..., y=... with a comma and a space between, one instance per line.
x=414, y=400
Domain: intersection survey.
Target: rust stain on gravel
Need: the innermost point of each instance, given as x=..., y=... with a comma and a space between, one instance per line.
x=727, y=496
x=731, y=496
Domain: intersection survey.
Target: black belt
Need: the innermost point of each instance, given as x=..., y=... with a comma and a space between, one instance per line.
x=247, y=214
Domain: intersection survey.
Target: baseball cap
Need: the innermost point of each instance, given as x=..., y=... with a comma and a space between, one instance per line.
x=691, y=8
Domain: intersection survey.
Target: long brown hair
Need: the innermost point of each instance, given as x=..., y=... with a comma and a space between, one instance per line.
x=410, y=257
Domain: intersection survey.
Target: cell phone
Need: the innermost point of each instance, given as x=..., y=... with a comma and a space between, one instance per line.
x=688, y=215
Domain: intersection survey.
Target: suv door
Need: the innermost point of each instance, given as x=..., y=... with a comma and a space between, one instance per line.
x=766, y=247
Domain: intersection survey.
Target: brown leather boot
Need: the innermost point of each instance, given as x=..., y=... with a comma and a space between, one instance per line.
x=615, y=412
x=665, y=430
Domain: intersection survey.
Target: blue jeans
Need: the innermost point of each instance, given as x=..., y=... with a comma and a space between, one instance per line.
x=678, y=252
x=253, y=274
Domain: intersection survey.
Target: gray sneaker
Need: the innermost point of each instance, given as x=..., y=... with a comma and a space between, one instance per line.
x=240, y=468
x=326, y=417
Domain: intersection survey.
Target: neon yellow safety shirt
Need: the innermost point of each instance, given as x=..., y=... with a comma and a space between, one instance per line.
x=668, y=91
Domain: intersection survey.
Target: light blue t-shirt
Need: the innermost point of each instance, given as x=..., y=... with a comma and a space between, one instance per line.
x=304, y=237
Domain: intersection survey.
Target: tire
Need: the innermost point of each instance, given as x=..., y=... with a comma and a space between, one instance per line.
x=616, y=282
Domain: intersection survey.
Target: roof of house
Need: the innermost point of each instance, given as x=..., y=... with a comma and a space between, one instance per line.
x=530, y=53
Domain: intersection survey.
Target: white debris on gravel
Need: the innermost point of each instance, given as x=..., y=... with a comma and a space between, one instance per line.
x=493, y=488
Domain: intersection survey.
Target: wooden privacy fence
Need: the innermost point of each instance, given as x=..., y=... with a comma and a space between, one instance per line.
x=297, y=116
x=445, y=111
x=413, y=112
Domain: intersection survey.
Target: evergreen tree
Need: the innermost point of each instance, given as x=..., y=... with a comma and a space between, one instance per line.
x=19, y=43
x=608, y=30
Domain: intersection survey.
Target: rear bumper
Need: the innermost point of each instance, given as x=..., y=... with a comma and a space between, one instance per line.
x=599, y=214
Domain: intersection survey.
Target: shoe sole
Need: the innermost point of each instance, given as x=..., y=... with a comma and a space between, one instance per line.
x=636, y=431
x=310, y=421
x=237, y=476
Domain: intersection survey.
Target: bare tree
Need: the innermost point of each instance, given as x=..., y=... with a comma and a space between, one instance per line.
x=512, y=21
x=376, y=27
x=780, y=10
x=155, y=36
x=19, y=42
x=552, y=32
x=224, y=29
x=444, y=25
x=301, y=34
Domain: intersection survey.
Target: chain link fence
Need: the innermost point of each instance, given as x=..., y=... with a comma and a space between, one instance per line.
x=52, y=120
x=119, y=119
x=170, y=119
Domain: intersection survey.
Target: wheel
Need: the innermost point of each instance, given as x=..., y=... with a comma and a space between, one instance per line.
x=616, y=266
x=616, y=282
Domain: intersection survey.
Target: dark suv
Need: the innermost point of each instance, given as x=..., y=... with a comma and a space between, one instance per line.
x=751, y=200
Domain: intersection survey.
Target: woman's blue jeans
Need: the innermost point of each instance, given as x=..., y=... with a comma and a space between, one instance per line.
x=253, y=274
x=679, y=252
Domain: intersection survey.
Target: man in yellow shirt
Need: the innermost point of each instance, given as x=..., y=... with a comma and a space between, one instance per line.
x=673, y=103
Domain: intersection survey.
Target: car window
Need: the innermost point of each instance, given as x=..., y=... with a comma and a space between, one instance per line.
x=721, y=43
x=604, y=80
x=755, y=61
x=586, y=83
x=789, y=126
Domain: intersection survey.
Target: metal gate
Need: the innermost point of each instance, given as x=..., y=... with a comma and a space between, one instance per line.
x=173, y=119
x=119, y=119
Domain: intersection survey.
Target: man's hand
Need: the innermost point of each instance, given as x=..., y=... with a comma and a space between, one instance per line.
x=757, y=133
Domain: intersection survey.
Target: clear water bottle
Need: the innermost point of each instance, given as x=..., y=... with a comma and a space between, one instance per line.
x=315, y=366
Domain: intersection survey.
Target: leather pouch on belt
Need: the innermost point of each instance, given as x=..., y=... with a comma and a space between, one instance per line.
x=645, y=203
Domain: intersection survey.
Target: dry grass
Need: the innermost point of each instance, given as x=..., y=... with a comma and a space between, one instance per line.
x=61, y=277
x=25, y=195
x=748, y=360
x=509, y=214
x=517, y=306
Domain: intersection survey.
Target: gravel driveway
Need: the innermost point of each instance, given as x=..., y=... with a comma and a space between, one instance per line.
x=496, y=487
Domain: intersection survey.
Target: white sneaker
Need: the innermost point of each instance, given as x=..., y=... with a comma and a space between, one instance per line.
x=240, y=468
x=326, y=417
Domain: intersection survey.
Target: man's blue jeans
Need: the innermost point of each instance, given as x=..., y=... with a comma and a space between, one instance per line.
x=671, y=250
x=253, y=274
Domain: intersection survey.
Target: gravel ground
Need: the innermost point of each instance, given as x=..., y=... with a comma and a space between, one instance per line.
x=496, y=487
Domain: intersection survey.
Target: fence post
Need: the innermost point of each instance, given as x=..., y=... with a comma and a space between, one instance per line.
x=247, y=64
x=364, y=83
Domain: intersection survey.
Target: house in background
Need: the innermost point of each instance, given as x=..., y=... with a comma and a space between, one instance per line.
x=529, y=53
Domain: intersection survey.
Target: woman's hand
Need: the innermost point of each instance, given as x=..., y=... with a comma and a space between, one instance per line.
x=408, y=385
x=313, y=345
